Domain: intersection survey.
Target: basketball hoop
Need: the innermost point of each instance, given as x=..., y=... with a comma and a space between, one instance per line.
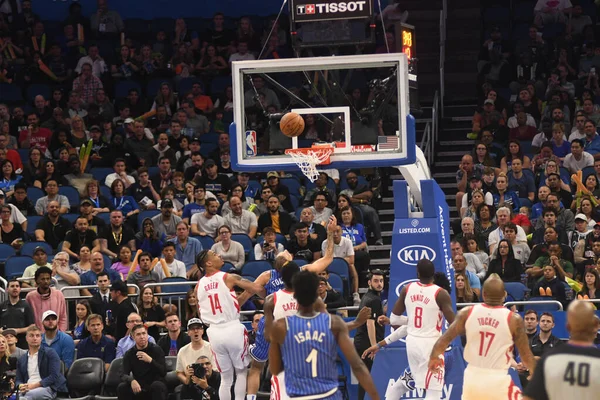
x=307, y=159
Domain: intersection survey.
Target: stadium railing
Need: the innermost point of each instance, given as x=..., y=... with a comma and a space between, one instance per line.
x=519, y=303
x=75, y=299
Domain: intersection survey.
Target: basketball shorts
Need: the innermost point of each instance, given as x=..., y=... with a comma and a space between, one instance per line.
x=229, y=343
x=418, y=350
x=278, y=391
x=260, y=349
x=489, y=384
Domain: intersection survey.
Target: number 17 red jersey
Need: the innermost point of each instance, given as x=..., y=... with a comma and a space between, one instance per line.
x=217, y=303
x=424, y=315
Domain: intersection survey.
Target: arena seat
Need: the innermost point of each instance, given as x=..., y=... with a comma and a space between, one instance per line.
x=32, y=222
x=206, y=241
x=6, y=251
x=71, y=194
x=36, y=89
x=246, y=242
x=85, y=378
x=337, y=283
x=146, y=214
x=112, y=380
x=100, y=174
x=29, y=247
x=10, y=94
x=15, y=266
x=255, y=268
x=516, y=291
x=34, y=193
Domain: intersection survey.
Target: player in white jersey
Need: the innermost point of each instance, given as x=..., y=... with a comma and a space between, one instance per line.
x=426, y=305
x=491, y=331
x=218, y=307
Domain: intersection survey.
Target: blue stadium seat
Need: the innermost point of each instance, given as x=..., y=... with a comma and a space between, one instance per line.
x=206, y=241
x=330, y=185
x=296, y=200
x=34, y=193
x=587, y=171
x=337, y=283
x=175, y=288
x=71, y=217
x=15, y=266
x=207, y=148
x=71, y=194
x=516, y=291
x=246, y=242
x=29, y=247
x=210, y=137
x=137, y=26
x=104, y=217
x=32, y=221
x=219, y=84
x=122, y=88
x=340, y=267
x=10, y=93
x=6, y=251
x=292, y=184
x=255, y=268
x=227, y=266
x=105, y=191
x=154, y=86
x=37, y=89
x=107, y=261
x=185, y=85
x=24, y=155
x=344, y=184
x=100, y=174
x=300, y=262
x=146, y=214
x=152, y=171
x=254, y=185
x=496, y=15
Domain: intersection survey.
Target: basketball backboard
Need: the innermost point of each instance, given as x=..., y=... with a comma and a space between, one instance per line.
x=374, y=129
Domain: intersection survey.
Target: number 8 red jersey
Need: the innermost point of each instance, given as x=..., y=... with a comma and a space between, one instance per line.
x=216, y=302
x=424, y=315
x=489, y=340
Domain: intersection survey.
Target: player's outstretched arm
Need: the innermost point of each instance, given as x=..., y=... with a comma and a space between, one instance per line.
x=236, y=280
x=262, y=280
x=268, y=309
x=456, y=328
x=322, y=263
x=347, y=347
x=517, y=328
x=398, y=334
x=361, y=318
x=277, y=336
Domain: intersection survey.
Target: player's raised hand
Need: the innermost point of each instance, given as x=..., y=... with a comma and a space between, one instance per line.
x=286, y=255
x=332, y=224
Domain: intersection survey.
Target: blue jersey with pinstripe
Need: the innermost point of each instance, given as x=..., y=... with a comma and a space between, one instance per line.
x=309, y=356
x=275, y=282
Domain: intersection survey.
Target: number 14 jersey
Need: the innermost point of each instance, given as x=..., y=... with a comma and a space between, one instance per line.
x=217, y=303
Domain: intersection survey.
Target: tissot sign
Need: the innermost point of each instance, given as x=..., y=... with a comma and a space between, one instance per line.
x=327, y=10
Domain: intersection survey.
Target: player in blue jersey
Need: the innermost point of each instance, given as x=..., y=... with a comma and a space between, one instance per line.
x=305, y=345
x=272, y=282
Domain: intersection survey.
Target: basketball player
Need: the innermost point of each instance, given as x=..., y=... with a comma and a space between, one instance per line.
x=272, y=281
x=306, y=345
x=426, y=306
x=491, y=331
x=570, y=371
x=219, y=308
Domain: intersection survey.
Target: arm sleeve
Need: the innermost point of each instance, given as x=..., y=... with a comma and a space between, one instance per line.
x=398, y=334
x=258, y=254
x=126, y=369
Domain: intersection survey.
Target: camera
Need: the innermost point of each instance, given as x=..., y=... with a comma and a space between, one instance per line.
x=6, y=382
x=199, y=371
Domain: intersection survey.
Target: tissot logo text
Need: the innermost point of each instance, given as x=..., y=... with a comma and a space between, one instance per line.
x=330, y=8
x=411, y=255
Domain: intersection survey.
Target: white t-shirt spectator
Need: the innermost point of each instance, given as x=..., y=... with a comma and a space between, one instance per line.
x=487, y=199
x=540, y=139
x=241, y=57
x=259, y=253
x=110, y=178
x=176, y=268
x=573, y=165
x=497, y=235
x=343, y=249
x=207, y=225
x=322, y=216
x=575, y=134
x=512, y=121
x=188, y=356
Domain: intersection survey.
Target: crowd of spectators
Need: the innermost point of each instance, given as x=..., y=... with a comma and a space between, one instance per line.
x=157, y=189
x=528, y=191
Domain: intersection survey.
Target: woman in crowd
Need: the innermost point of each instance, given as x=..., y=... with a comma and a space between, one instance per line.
x=343, y=200
x=481, y=155
x=92, y=192
x=190, y=307
x=82, y=311
x=551, y=167
x=505, y=264
x=211, y=64
x=229, y=250
x=464, y=293
x=125, y=203
x=9, y=177
x=484, y=224
x=184, y=149
x=586, y=207
x=61, y=140
x=356, y=233
x=514, y=151
x=166, y=97
x=79, y=135
x=269, y=248
x=504, y=196
x=34, y=166
x=5, y=362
x=50, y=172
x=123, y=265
x=552, y=284
x=246, y=33
x=151, y=312
x=470, y=245
x=147, y=239
x=83, y=265
x=10, y=233
x=477, y=199
x=591, y=285
x=125, y=67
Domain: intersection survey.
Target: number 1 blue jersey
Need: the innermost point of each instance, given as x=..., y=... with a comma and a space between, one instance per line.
x=309, y=357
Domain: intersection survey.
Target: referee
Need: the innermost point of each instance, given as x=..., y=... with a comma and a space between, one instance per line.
x=570, y=371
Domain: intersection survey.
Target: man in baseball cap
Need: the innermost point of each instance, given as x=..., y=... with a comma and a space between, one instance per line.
x=58, y=341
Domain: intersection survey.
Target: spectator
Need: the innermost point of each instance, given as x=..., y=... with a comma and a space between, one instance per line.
x=15, y=313
x=35, y=136
x=578, y=159
x=505, y=196
x=521, y=183
x=10, y=335
x=470, y=245
x=199, y=123
x=175, y=339
x=207, y=223
x=330, y=297
x=550, y=236
x=464, y=293
x=269, y=249
x=96, y=267
x=343, y=248
x=8, y=177
x=591, y=285
x=241, y=220
x=47, y=298
x=523, y=130
x=320, y=186
x=469, y=205
x=537, y=208
x=58, y=341
x=121, y=308
x=564, y=217
x=488, y=115
x=166, y=222
x=514, y=152
x=120, y=173
x=82, y=311
x=40, y=259
x=186, y=248
x=53, y=170
x=124, y=203
x=259, y=86
x=82, y=235
x=592, y=140
x=106, y=23
x=189, y=354
x=143, y=192
x=544, y=341
x=145, y=274
x=580, y=233
x=52, y=195
x=41, y=379
x=316, y=231
x=20, y=200
x=87, y=84
x=503, y=218
x=175, y=267
x=10, y=234
x=320, y=208
x=505, y=264
x=460, y=266
x=64, y=274
x=360, y=196
x=520, y=250
x=467, y=225
x=198, y=206
x=165, y=174
x=280, y=221
x=212, y=181
x=473, y=264
x=124, y=263
x=146, y=362
x=302, y=246
x=280, y=190
x=151, y=312
x=190, y=307
x=548, y=12
x=100, y=301
x=553, y=259
x=93, y=58
x=484, y=224
x=229, y=250
x=97, y=345
x=262, y=201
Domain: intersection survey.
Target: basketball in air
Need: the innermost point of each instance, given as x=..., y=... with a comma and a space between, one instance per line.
x=292, y=124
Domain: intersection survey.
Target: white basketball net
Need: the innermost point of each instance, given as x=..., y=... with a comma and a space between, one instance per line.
x=307, y=162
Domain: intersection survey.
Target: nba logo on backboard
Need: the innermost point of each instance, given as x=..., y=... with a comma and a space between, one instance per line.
x=250, y=143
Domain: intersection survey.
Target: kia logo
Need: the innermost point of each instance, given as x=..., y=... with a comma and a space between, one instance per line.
x=411, y=255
